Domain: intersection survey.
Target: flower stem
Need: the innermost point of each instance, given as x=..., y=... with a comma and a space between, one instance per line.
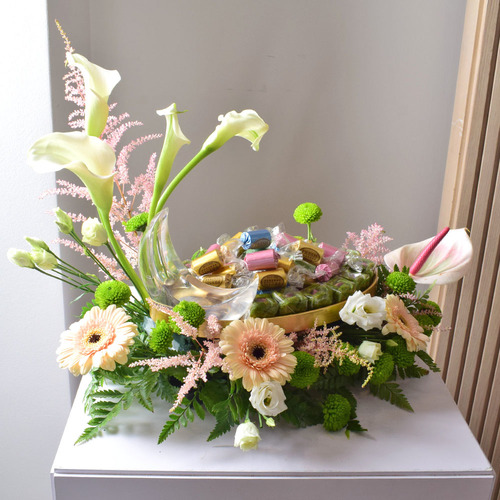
x=203, y=153
x=90, y=254
x=120, y=257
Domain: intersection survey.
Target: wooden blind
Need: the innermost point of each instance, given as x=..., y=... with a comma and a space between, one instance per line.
x=468, y=346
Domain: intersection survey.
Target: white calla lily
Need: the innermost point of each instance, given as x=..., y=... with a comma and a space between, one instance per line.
x=174, y=140
x=99, y=83
x=88, y=157
x=447, y=263
x=247, y=124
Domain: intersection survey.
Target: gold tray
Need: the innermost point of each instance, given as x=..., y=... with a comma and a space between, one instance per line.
x=291, y=322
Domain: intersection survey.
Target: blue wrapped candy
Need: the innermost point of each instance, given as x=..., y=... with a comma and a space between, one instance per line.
x=258, y=239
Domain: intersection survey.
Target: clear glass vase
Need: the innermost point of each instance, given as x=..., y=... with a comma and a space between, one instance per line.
x=168, y=281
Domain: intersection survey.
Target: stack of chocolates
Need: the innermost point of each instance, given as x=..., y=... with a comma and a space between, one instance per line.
x=293, y=275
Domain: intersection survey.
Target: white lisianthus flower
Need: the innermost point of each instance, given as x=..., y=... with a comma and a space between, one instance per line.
x=37, y=243
x=371, y=351
x=99, y=83
x=247, y=124
x=246, y=437
x=43, y=259
x=268, y=398
x=94, y=233
x=20, y=258
x=364, y=310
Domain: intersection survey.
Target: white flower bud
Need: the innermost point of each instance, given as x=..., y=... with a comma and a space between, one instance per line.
x=20, y=258
x=43, y=259
x=370, y=351
x=64, y=221
x=246, y=436
x=93, y=232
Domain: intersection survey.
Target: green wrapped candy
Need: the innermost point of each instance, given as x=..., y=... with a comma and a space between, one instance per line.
x=290, y=301
x=341, y=288
x=264, y=306
x=318, y=296
x=361, y=280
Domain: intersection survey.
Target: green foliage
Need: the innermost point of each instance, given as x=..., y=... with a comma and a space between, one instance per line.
x=86, y=308
x=390, y=391
x=382, y=272
x=304, y=408
x=198, y=253
x=224, y=419
x=413, y=371
x=428, y=361
x=402, y=357
x=353, y=426
x=181, y=416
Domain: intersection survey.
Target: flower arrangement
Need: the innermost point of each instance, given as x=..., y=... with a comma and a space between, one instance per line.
x=245, y=372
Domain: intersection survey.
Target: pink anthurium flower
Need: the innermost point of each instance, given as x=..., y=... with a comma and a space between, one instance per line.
x=446, y=263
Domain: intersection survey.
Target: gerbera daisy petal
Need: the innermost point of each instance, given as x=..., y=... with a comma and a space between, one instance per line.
x=257, y=351
x=98, y=340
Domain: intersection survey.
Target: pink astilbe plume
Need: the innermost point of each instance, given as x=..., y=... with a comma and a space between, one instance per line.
x=326, y=346
x=370, y=243
x=210, y=357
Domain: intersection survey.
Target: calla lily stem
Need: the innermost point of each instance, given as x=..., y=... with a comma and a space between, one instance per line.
x=203, y=153
x=121, y=258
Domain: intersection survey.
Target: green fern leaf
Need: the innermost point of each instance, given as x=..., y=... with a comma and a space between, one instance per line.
x=390, y=391
x=428, y=361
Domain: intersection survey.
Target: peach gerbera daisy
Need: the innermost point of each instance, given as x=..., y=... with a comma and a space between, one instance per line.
x=257, y=350
x=400, y=321
x=99, y=340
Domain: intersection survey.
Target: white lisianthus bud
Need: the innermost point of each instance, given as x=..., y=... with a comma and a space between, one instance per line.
x=36, y=243
x=370, y=351
x=268, y=398
x=64, y=221
x=246, y=436
x=364, y=310
x=20, y=258
x=93, y=232
x=43, y=259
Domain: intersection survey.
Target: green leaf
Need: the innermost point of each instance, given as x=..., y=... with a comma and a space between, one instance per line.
x=198, y=409
x=212, y=393
x=169, y=428
x=413, y=371
x=390, y=391
x=106, y=393
x=353, y=426
x=88, y=434
x=428, y=361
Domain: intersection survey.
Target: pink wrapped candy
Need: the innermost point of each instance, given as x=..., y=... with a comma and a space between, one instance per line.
x=265, y=259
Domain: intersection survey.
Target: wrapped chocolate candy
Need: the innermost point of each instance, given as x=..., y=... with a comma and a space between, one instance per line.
x=260, y=239
x=264, y=306
x=269, y=280
x=318, y=296
x=310, y=252
x=265, y=259
x=207, y=263
x=290, y=301
x=219, y=280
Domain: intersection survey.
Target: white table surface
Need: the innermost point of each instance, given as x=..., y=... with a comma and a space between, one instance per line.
x=427, y=454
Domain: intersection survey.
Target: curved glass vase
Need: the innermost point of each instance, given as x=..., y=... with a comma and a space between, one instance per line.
x=168, y=280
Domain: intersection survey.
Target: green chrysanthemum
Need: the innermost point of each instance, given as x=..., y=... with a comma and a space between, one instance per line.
x=307, y=213
x=347, y=367
x=137, y=223
x=400, y=282
x=191, y=312
x=161, y=336
x=305, y=373
x=112, y=292
x=400, y=354
x=336, y=412
x=382, y=369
